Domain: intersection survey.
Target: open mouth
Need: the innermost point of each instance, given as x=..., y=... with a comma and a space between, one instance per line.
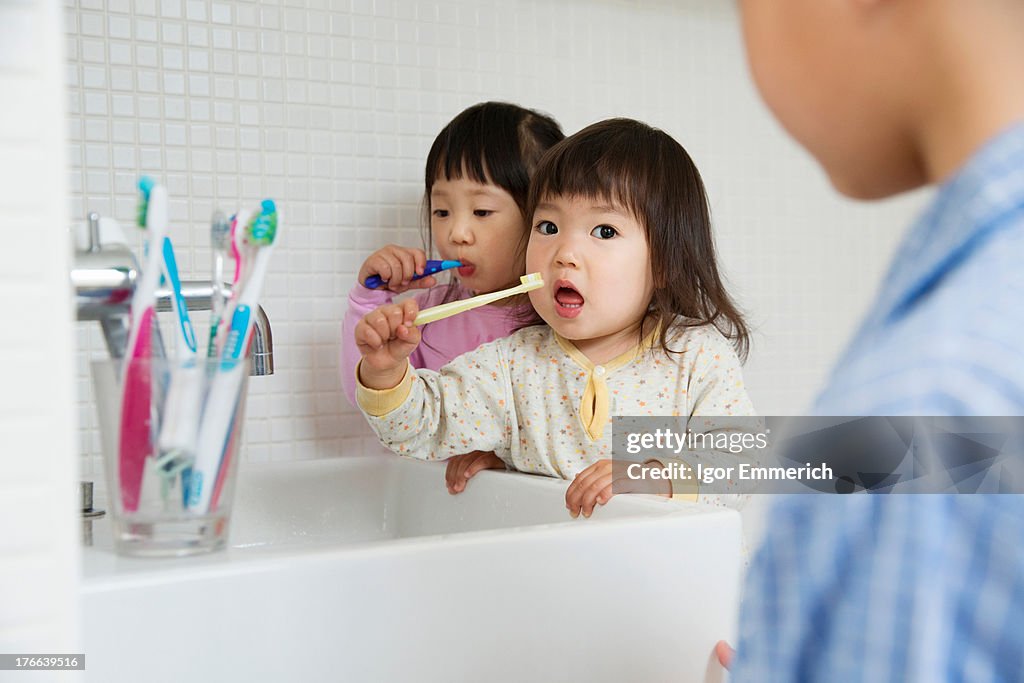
x=568, y=300
x=466, y=269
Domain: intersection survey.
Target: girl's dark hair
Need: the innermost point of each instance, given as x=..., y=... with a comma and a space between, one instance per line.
x=645, y=171
x=492, y=143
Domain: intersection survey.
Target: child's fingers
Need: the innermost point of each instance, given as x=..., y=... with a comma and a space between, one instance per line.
x=459, y=484
x=483, y=461
x=572, y=497
x=410, y=309
x=408, y=337
x=455, y=473
x=394, y=264
x=592, y=492
x=423, y=283
x=386, y=264
x=371, y=266
x=367, y=337
x=462, y=468
x=582, y=493
x=419, y=259
x=450, y=473
x=379, y=322
x=408, y=334
x=414, y=262
x=574, y=494
x=384, y=322
x=397, y=270
x=406, y=267
x=382, y=265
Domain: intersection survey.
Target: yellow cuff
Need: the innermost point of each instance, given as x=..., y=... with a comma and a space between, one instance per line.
x=378, y=402
x=682, y=489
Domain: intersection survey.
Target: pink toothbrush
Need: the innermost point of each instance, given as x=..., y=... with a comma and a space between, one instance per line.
x=136, y=437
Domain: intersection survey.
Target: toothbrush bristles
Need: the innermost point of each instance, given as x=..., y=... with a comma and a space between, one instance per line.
x=532, y=280
x=145, y=187
x=262, y=228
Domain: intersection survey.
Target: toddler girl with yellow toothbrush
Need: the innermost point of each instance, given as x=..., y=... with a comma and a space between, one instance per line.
x=637, y=322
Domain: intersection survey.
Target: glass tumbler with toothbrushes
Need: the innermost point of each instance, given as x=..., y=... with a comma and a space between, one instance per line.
x=172, y=462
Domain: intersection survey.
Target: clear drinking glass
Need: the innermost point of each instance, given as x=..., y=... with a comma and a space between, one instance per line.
x=170, y=450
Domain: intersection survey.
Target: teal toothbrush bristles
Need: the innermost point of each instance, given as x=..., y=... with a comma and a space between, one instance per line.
x=262, y=228
x=145, y=187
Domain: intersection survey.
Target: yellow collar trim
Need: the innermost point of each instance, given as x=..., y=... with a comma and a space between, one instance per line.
x=595, y=403
x=623, y=359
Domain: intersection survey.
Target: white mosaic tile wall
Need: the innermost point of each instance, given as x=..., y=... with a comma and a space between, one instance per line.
x=330, y=106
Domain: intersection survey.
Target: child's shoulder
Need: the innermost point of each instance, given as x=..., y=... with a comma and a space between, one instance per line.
x=530, y=338
x=689, y=342
x=524, y=341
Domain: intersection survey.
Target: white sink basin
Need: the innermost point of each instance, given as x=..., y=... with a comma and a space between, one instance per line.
x=366, y=569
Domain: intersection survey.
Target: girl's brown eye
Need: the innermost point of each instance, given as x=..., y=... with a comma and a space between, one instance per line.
x=547, y=228
x=604, y=232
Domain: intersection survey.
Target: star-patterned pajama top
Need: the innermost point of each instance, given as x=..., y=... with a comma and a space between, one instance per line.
x=543, y=407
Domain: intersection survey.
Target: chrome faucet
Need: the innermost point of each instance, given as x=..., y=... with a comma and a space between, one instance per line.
x=104, y=279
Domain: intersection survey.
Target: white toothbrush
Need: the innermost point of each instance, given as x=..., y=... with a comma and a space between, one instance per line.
x=215, y=433
x=442, y=311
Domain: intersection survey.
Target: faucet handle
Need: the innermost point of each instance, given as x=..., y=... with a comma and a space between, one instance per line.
x=97, y=233
x=94, y=231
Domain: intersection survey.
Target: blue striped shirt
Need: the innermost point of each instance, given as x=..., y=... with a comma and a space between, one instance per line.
x=912, y=587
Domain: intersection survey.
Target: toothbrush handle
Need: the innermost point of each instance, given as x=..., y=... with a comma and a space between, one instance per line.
x=433, y=266
x=434, y=313
x=187, y=342
x=217, y=305
x=441, y=311
x=135, y=442
x=373, y=282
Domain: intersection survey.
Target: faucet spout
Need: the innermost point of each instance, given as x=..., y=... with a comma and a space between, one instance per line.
x=104, y=280
x=198, y=295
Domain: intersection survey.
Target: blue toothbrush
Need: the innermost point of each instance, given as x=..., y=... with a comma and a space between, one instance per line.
x=433, y=266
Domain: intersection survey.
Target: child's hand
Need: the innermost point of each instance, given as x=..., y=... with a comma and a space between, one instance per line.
x=385, y=337
x=461, y=468
x=396, y=265
x=593, y=486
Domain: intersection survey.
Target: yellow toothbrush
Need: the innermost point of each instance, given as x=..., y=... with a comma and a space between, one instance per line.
x=434, y=313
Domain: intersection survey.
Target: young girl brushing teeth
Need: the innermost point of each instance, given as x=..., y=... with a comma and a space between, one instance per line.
x=637, y=323
x=477, y=181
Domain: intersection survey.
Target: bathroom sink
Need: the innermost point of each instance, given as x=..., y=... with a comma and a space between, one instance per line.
x=374, y=499
x=366, y=569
